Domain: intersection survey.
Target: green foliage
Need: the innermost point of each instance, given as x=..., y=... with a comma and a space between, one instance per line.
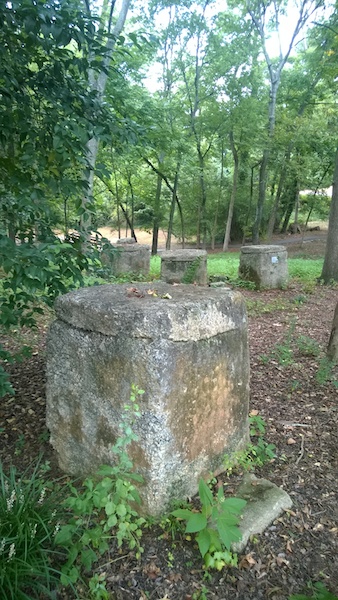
x=103, y=508
x=307, y=346
x=305, y=270
x=215, y=525
x=325, y=373
x=319, y=592
x=191, y=271
x=35, y=273
x=282, y=352
x=258, y=307
x=225, y=264
x=28, y=522
x=9, y=358
x=257, y=453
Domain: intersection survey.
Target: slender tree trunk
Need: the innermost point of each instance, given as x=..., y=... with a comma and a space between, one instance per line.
x=233, y=194
x=203, y=227
x=263, y=171
x=290, y=206
x=172, y=208
x=330, y=266
x=97, y=83
x=128, y=223
x=157, y=210
x=273, y=216
x=170, y=187
x=132, y=202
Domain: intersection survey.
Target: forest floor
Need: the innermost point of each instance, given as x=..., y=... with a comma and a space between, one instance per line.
x=288, y=334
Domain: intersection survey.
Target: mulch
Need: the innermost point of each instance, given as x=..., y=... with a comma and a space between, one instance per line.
x=301, y=412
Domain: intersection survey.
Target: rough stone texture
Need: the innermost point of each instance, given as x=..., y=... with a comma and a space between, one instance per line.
x=266, y=266
x=184, y=266
x=186, y=347
x=265, y=503
x=128, y=257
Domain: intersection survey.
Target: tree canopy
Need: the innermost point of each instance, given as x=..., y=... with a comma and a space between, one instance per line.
x=191, y=117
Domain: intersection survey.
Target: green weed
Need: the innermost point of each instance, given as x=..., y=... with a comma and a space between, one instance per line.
x=259, y=307
x=215, y=526
x=256, y=454
x=104, y=507
x=319, y=592
x=307, y=346
x=325, y=373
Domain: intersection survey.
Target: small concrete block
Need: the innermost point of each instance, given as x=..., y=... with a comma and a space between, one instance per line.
x=184, y=266
x=126, y=256
x=265, y=503
x=266, y=266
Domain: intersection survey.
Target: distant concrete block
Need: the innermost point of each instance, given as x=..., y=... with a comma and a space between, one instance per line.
x=184, y=266
x=266, y=266
x=126, y=256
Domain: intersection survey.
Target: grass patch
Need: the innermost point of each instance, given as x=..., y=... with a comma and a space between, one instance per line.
x=306, y=270
x=224, y=264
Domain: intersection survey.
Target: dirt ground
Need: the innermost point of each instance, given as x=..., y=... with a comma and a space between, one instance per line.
x=300, y=407
x=296, y=243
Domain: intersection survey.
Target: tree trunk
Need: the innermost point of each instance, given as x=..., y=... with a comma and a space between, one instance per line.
x=332, y=349
x=263, y=171
x=97, y=83
x=172, y=209
x=157, y=210
x=274, y=212
x=233, y=194
x=330, y=266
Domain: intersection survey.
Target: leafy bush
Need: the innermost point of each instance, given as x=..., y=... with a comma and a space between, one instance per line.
x=28, y=520
x=216, y=525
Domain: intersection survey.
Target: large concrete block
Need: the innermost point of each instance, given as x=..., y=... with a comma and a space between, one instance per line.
x=184, y=266
x=266, y=266
x=186, y=346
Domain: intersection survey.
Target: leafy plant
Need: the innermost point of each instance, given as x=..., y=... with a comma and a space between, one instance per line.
x=257, y=452
x=103, y=507
x=191, y=271
x=216, y=525
x=308, y=346
x=319, y=592
x=9, y=358
x=28, y=520
x=325, y=372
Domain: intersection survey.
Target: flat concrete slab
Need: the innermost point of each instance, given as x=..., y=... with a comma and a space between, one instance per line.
x=265, y=503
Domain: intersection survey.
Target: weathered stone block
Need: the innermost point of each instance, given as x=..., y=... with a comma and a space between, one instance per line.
x=265, y=503
x=266, y=266
x=128, y=257
x=186, y=346
x=184, y=266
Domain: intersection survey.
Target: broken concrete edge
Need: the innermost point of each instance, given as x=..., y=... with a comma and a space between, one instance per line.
x=265, y=503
